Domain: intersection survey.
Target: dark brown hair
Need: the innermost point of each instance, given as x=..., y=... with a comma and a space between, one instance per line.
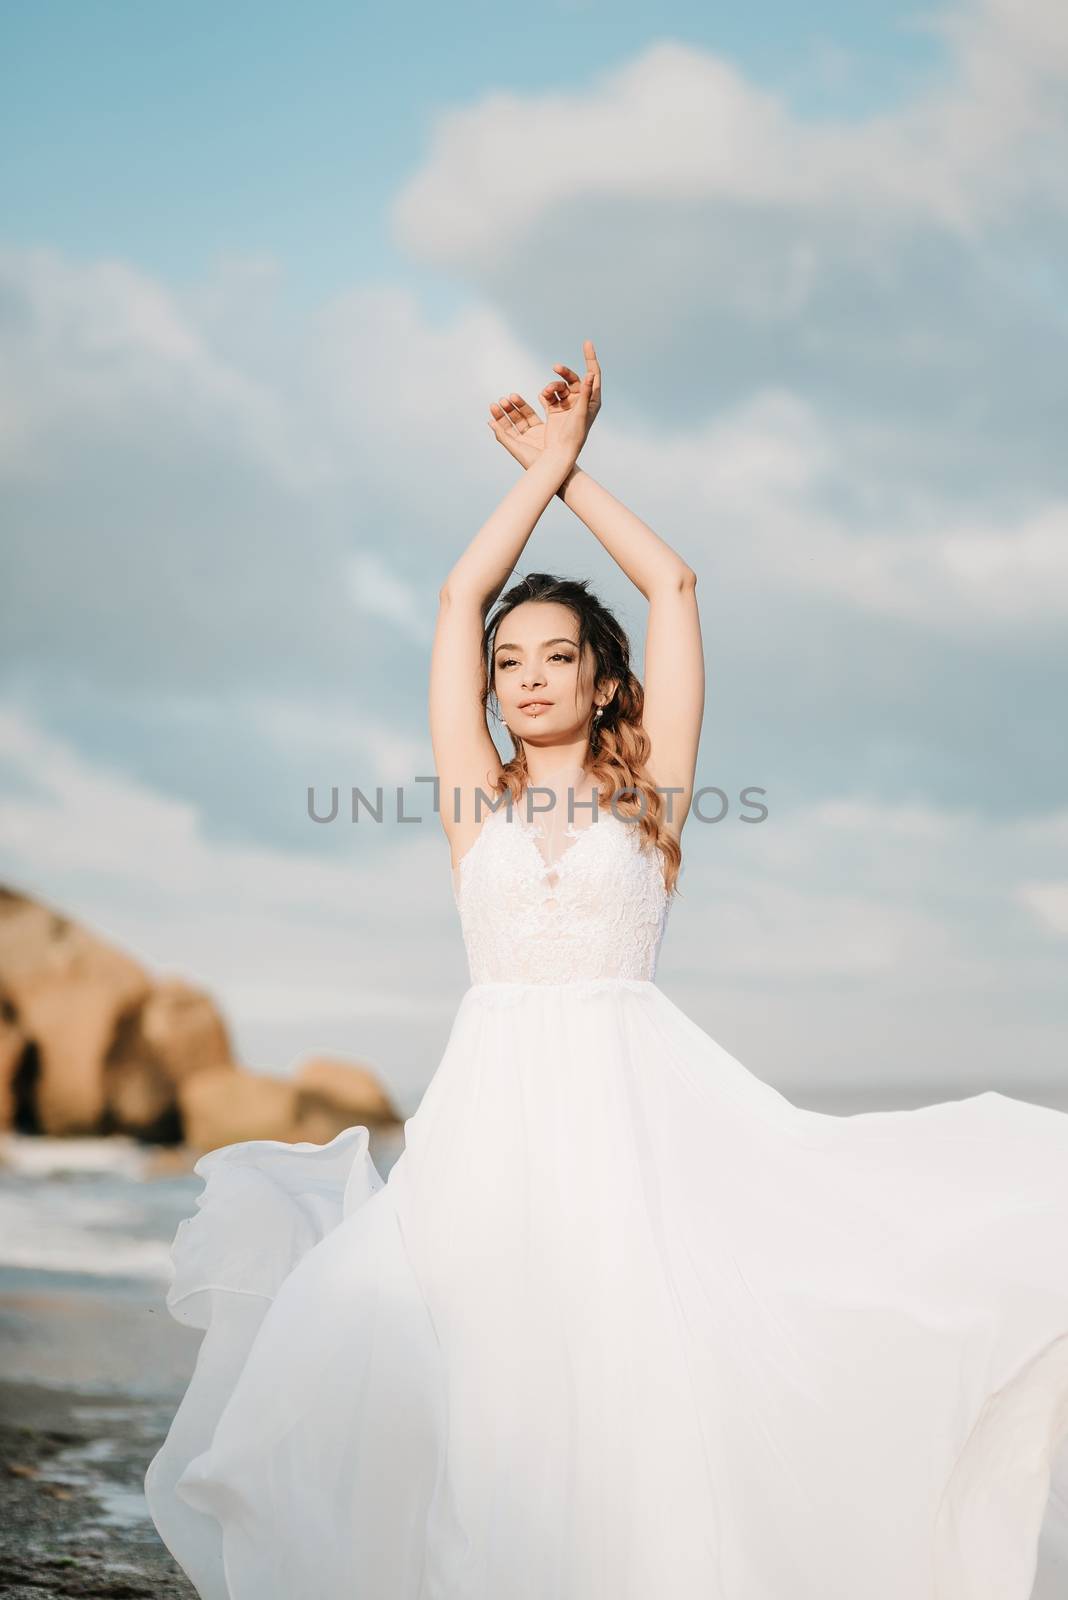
x=618, y=746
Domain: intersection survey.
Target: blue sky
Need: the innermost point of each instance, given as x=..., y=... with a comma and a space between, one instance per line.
x=261, y=272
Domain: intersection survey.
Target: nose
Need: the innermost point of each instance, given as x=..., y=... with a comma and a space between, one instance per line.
x=529, y=683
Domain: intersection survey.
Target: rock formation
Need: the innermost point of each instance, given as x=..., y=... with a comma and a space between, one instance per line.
x=92, y=1043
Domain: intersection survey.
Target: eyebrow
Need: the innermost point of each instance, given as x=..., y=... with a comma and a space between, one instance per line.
x=544, y=642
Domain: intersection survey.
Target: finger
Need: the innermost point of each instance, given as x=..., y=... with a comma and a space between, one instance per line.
x=517, y=411
x=502, y=416
x=525, y=411
x=570, y=375
x=594, y=366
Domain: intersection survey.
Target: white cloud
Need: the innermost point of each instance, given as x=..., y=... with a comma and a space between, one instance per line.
x=319, y=730
x=67, y=813
x=756, y=487
x=679, y=123
x=377, y=590
x=953, y=579
x=907, y=820
x=1049, y=904
x=102, y=350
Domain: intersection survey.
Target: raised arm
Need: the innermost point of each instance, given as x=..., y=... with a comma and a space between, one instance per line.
x=674, y=679
x=675, y=661
x=465, y=757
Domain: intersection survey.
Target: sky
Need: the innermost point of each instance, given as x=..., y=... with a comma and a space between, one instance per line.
x=261, y=273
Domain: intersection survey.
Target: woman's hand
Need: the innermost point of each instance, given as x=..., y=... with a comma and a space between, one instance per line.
x=572, y=405
x=518, y=427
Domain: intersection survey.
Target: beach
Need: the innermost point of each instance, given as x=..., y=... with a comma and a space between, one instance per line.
x=92, y=1365
x=72, y=1518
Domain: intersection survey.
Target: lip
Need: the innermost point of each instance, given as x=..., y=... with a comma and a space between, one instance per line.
x=534, y=706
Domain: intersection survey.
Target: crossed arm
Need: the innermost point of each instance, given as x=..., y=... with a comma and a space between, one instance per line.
x=674, y=672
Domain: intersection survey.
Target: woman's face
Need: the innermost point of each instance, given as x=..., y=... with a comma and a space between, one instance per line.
x=544, y=689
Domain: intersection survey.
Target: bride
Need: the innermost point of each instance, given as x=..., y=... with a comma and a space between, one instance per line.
x=622, y=1322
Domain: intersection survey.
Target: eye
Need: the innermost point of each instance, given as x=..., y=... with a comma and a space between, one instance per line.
x=559, y=655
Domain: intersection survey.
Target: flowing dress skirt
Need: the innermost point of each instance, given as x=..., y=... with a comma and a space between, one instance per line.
x=625, y=1322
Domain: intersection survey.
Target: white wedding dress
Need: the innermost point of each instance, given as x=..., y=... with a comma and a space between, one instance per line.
x=623, y=1323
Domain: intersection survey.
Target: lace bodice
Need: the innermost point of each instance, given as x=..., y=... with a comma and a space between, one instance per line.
x=597, y=911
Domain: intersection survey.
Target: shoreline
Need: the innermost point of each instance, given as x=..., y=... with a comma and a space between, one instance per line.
x=73, y=1518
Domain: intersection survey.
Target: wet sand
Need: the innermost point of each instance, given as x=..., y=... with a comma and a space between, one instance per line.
x=72, y=1515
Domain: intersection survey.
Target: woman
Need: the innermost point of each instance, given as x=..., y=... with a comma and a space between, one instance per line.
x=623, y=1321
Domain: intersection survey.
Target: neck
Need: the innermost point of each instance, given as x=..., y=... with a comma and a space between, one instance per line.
x=557, y=767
